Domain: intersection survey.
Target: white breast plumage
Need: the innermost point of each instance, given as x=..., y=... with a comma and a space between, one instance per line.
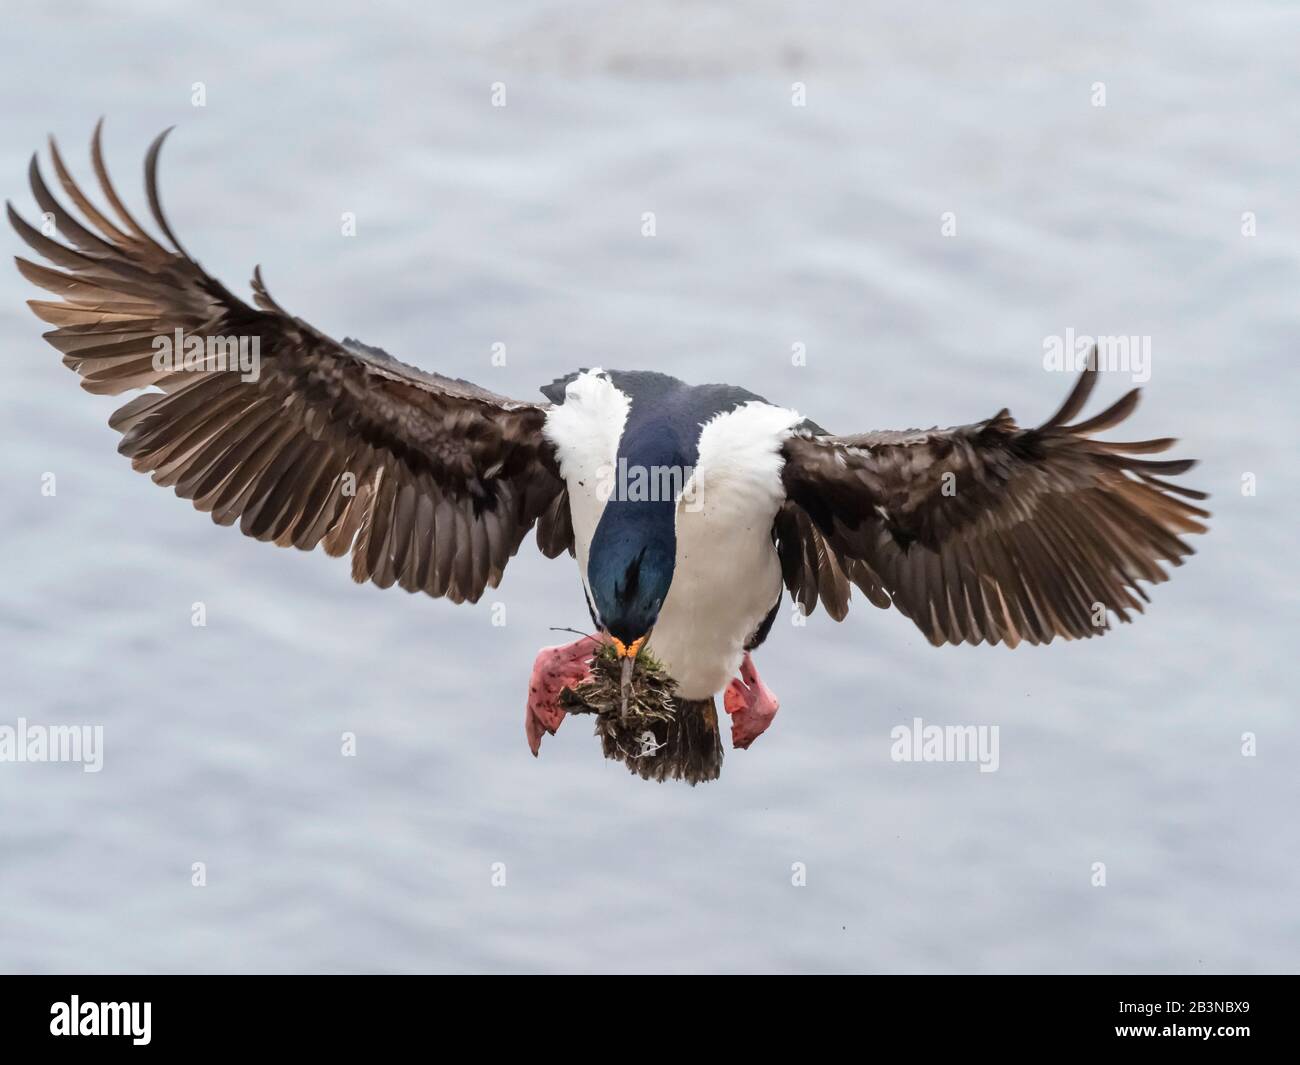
x=727, y=575
x=585, y=430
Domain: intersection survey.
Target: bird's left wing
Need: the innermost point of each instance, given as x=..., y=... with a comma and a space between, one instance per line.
x=987, y=531
x=430, y=482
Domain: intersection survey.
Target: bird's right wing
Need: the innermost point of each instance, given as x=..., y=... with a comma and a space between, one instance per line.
x=430, y=482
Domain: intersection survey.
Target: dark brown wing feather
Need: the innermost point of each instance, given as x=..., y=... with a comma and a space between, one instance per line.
x=431, y=482
x=988, y=531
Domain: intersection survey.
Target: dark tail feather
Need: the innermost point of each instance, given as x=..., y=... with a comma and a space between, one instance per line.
x=687, y=747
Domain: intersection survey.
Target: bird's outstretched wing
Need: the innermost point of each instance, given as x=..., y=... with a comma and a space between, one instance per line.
x=431, y=482
x=987, y=531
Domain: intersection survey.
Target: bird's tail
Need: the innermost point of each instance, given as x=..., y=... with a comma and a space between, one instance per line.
x=686, y=747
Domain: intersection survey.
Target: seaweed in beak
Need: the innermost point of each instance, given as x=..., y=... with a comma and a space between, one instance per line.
x=626, y=685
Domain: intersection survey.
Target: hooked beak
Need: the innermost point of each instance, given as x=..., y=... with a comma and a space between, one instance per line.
x=627, y=653
x=625, y=682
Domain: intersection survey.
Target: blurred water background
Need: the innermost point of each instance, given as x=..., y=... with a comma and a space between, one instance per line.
x=776, y=225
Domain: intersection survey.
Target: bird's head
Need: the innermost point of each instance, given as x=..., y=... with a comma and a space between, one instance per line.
x=630, y=568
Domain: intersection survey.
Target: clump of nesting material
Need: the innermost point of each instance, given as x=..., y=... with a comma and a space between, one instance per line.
x=641, y=721
x=643, y=697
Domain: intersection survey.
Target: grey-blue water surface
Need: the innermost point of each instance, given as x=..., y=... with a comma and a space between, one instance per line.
x=776, y=225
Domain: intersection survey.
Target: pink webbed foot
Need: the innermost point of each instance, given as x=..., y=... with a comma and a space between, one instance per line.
x=751, y=704
x=554, y=669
